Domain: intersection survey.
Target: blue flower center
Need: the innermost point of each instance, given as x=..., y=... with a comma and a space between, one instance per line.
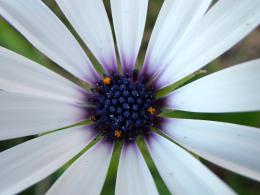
x=124, y=107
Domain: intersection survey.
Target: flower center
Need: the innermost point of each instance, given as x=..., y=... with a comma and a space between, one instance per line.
x=124, y=108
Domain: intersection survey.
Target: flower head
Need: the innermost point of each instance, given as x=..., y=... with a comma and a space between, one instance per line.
x=123, y=107
x=124, y=104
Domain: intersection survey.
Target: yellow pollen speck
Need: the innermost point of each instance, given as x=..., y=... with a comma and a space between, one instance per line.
x=118, y=133
x=107, y=80
x=93, y=118
x=151, y=110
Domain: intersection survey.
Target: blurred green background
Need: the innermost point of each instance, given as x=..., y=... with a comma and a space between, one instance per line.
x=247, y=49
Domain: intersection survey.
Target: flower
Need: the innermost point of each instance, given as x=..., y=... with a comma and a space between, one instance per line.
x=124, y=106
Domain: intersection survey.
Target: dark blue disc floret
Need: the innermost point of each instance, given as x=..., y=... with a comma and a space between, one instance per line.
x=123, y=107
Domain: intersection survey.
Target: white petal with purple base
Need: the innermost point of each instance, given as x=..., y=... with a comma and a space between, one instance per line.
x=182, y=173
x=235, y=89
x=47, y=33
x=30, y=162
x=175, y=20
x=20, y=75
x=231, y=146
x=23, y=115
x=86, y=175
x=129, y=21
x=90, y=20
x=133, y=176
x=225, y=24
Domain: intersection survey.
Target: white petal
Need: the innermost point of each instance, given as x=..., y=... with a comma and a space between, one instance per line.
x=20, y=75
x=23, y=115
x=28, y=163
x=234, y=89
x=231, y=146
x=133, y=176
x=225, y=24
x=90, y=20
x=176, y=18
x=87, y=175
x=182, y=173
x=129, y=21
x=46, y=32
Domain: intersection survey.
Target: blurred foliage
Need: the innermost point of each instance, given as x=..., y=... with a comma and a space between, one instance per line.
x=249, y=48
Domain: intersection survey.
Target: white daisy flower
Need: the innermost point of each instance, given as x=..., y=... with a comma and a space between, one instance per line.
x=124, y=105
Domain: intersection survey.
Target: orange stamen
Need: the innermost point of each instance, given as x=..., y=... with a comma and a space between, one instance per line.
x=118, y=133
x=107, y=80
x=151, y=110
